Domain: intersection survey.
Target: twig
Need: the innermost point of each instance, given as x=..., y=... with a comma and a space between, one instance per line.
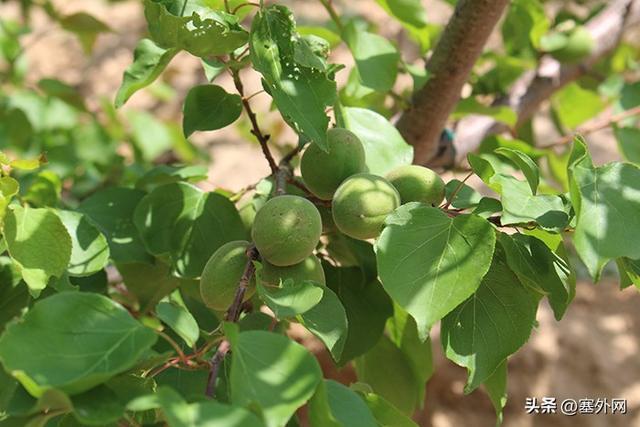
x=290, y=155
x=233, y=314
x=282, y=177
x=241, y=5
x=328, y=5
x=255, y=128
x=457, y=190
x=216, y=361
x=175, y=346
x=596, y=125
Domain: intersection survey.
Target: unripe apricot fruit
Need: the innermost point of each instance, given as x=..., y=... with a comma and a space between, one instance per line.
x=286, y=230
x=361, y=204
x=309, y=269
x=322, y=172
x=222, y=274
x=417, y=184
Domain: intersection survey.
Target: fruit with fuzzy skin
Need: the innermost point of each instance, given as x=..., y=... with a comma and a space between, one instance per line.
x=309, y=269
x=286, y=230
x=322, y=172
x=417, y=184
x=361, y=204
x=222, y=273
x=579, y=44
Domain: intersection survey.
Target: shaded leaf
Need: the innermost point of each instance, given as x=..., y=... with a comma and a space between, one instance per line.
x=272, y=372
x=92, y=340
x=149, y=61
x=607, y=202
x=429, y=263
x=89, y=247
x=38, y=243
x=490, y=325
x=209, y=107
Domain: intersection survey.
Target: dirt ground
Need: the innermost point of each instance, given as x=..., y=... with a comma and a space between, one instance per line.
x=591, y=353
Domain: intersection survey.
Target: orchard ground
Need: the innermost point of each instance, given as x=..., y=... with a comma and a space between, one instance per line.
x=592, y=352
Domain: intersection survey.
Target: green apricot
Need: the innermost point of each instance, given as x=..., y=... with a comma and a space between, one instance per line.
x=417, y=184
x=286, y=230
x=309, y=269
x=361, y=204
x=322, y=172
x=579, y=45
x=222, y=273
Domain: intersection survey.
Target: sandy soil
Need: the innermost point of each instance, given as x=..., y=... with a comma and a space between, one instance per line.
x=591, y=353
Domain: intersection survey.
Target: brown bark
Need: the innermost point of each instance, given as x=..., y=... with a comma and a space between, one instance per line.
x=536, y=86
x=453, y=58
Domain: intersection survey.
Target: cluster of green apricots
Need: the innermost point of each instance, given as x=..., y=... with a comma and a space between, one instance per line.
x=287, y=228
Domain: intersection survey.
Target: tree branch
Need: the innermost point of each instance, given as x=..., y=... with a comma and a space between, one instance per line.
x=536, y=86
x=448, y=69
x=255, y=128
x=233, y=314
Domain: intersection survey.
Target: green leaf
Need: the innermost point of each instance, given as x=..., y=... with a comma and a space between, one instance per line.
x=165, y=174
x=385, y=413
x=490, y=325
x=44, y=190
x=99, y=406
x=540, y=269
x=301, y=93
x=520, y=205
x=496, y=388
x=409, y=12
x=209, y=107
x=376, y=58
x=525, y=164
x=629, y=270
x=148, y=282
x=86, y=27
x=606, y=206
x=629, y=143
x=575, y=105
x=92, y=340
x=179, y=413
x=149, y=61
x=188, y=224
x=38, y=243
x=180, y=320
x=89, y=247
x=194, y=27
x=63, y=91
x=327, y=320
x=400, y=388
x=430, y=263
x=367, y=307
x=335, y=405
x=14, y=295
x=384, y=147
x=465, y=197
x=403, y=331
x=273, y=372
x=470, y=105
x=112, y=211
x=525, y=24
x=291, y=299
x=150, y=136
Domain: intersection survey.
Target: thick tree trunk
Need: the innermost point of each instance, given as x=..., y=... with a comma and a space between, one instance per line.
x=537, y=86
x=453, y=58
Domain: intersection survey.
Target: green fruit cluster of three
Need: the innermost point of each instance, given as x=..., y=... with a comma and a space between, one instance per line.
x=285, y=232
